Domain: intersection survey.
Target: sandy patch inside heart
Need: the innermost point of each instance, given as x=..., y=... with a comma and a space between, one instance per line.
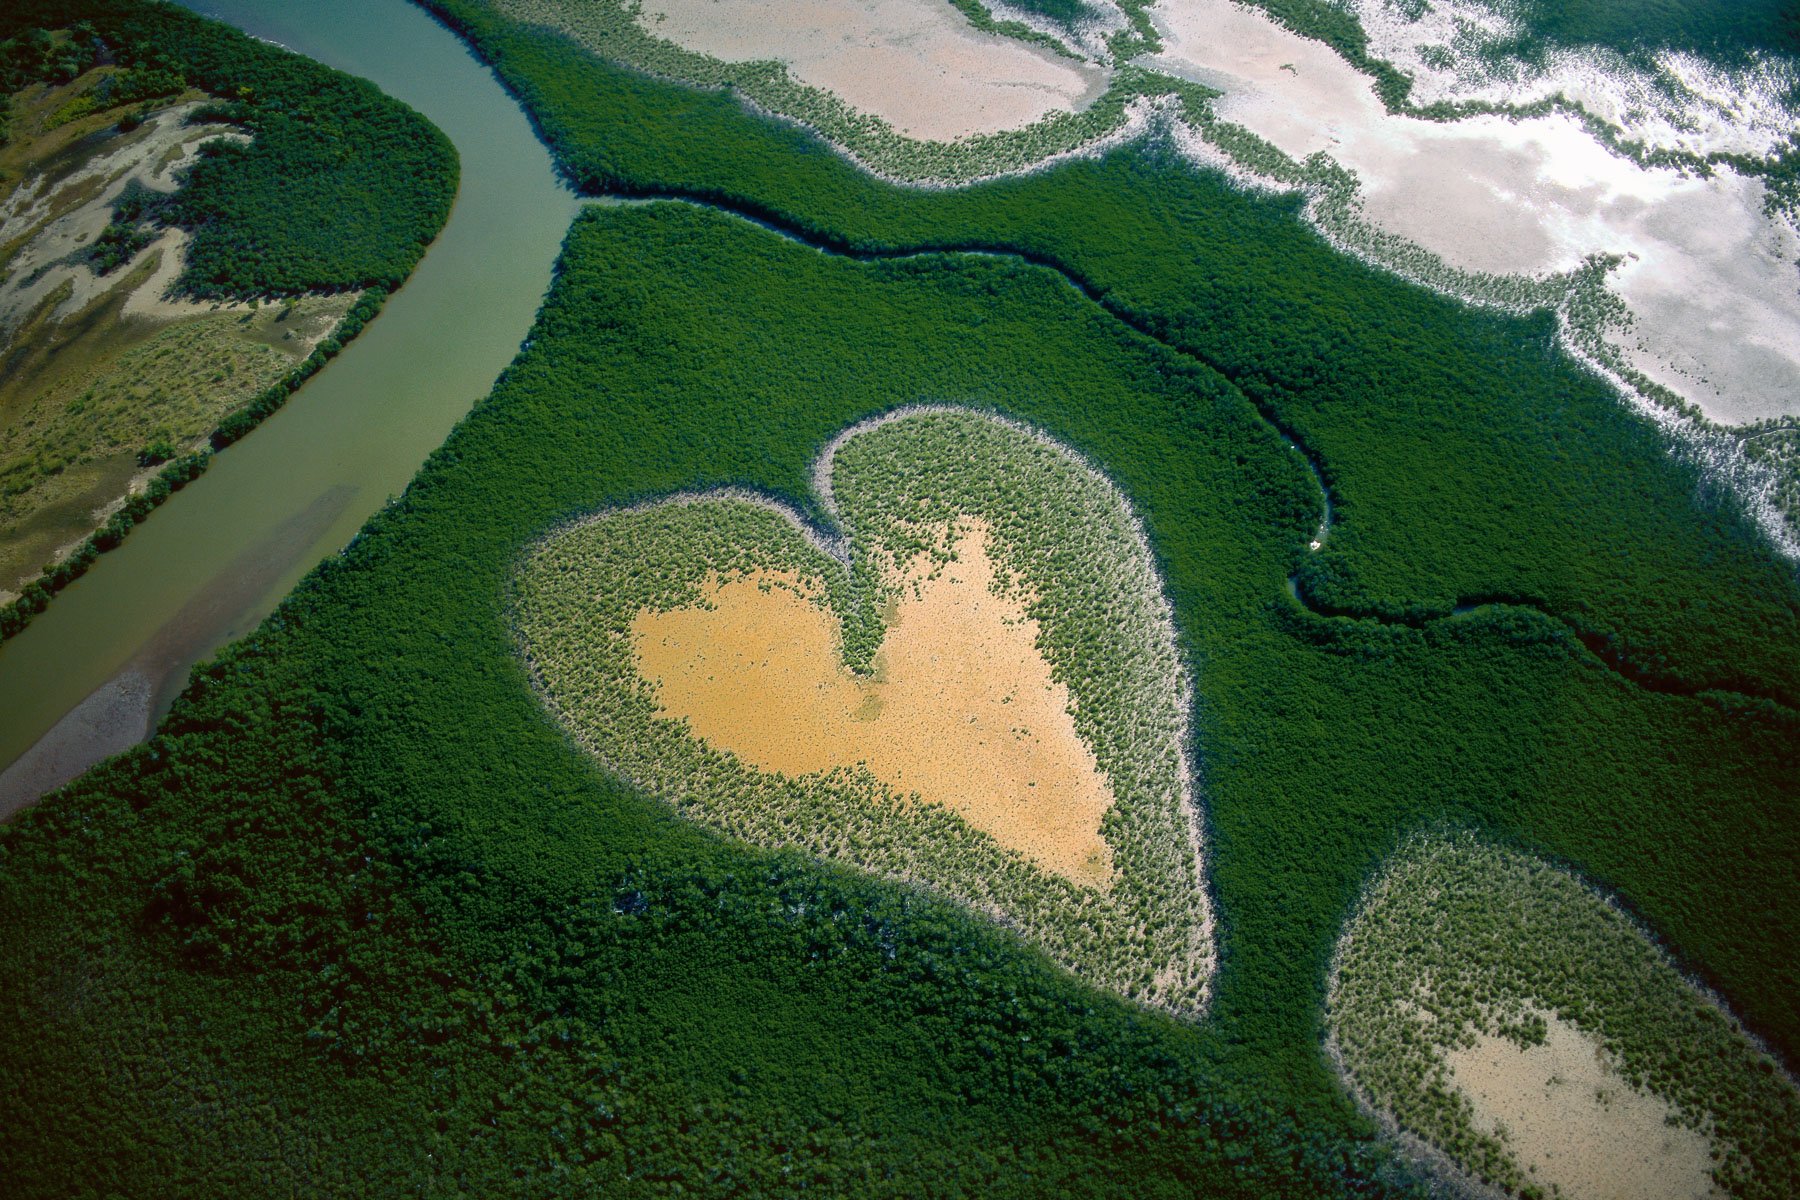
x=961, y=709
x=956, y=681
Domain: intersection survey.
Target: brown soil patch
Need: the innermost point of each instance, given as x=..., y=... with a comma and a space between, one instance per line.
x=961, y=709
x=1572, y=1122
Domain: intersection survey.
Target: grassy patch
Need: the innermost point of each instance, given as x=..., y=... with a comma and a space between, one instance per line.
x=93, y=392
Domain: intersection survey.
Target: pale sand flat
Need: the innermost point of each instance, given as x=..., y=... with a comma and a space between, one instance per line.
x=961, y=709
x=917, y=64
x=1572, y=1122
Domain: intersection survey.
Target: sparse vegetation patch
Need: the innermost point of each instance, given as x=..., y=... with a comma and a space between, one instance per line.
x=1458, y=942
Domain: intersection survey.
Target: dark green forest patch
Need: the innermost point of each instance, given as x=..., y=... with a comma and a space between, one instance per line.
x=518, y=921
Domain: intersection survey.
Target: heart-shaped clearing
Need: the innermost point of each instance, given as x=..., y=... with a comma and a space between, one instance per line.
x=959, y=710
x=976, y=689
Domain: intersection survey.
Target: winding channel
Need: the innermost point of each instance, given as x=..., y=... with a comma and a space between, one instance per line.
x=1598, y=647
x=96, y=671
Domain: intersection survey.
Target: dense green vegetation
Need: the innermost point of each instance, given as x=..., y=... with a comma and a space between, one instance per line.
x=682, y=349
x=368, y=899
x=1457, y=937
x=539, y=933
x=1474, y=440
x=117, y=245
x=902, y=490
x=31, y=55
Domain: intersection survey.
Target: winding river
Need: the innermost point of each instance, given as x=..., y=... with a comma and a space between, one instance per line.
x=101, y=665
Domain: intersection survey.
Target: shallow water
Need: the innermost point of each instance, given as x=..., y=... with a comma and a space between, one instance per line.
x=213, y=561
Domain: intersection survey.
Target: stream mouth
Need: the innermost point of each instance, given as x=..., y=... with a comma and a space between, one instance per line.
x=101, y=655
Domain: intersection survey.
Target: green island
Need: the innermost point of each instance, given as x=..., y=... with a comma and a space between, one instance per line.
x=422, y=888
x=257, y=207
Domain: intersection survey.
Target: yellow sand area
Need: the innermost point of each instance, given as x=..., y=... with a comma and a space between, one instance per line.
x=1571, y=1121
x=961, y=709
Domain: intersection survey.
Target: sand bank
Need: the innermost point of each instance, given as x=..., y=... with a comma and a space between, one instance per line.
x=961, y=710
x=1575, y=1124
x=113, y=719
x=1709, y=279
x=917, y=64
x=55, y=220
x=124, y=710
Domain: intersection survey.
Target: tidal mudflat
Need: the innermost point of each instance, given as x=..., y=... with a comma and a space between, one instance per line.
x=1707, y=274
x=917, y=64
